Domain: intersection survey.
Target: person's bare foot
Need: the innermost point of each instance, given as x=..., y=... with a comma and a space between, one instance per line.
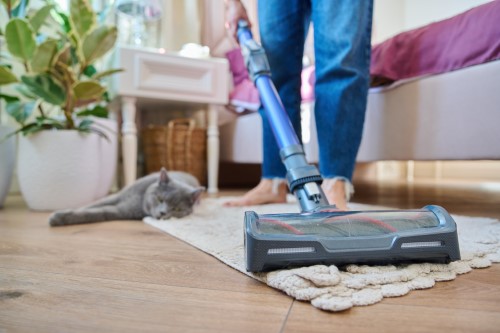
x=337, y=192
x=266, y=192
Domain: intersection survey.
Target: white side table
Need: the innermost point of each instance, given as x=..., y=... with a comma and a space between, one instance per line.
x=151, y=75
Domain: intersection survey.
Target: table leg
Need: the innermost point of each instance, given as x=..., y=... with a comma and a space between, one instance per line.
x=129, y=140
x=213, y=149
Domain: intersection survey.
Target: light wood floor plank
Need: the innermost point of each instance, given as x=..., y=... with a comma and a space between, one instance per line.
x=126, y=276
x=45, y=301
x=124, y=250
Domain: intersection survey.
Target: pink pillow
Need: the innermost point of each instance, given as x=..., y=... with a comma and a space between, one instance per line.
x=244, y=96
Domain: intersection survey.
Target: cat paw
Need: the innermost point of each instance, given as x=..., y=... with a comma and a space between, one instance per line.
x=57, y=218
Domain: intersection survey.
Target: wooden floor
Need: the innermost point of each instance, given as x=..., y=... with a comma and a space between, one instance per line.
x=126, y=276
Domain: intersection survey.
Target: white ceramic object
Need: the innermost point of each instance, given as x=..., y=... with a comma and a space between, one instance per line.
x=65, y=169
x=7, y=161
x=109, y=155
x=193, y=50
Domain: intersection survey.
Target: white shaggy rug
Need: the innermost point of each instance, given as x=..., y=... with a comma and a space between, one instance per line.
x=218, y=230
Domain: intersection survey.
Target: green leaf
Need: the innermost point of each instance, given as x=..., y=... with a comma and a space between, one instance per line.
x=55, y=123
x=4, y=19
x=86, y=127
x=101, y=75
x=31, y=128
x=20, y=9
x=82, y=17
x=62, y=19
x=13, y=3
x=45, y=87
x=9, y=98
x=40, y=17
x=23, y=90
x=98, y=43
x=64, y=55
x=98, y=111
x=85, y=124
x=41, y=124
x=106, y=97
x=6, y=76
x=75, y=58
x=20, y=39
x=20, y=111
x=88, y=90
x=44, y=55
x=89, y=71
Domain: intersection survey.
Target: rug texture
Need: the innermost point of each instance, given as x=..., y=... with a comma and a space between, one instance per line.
x=218, y=230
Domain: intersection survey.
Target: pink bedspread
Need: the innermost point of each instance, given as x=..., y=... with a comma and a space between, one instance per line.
x=467, y=39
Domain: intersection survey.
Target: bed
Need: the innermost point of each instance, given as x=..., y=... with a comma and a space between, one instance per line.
x=436, y=97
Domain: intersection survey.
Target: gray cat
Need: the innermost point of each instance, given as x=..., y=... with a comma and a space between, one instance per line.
x=161, y=195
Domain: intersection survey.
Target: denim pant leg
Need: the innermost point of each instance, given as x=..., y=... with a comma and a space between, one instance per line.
x=342, y=34
x=283, y=27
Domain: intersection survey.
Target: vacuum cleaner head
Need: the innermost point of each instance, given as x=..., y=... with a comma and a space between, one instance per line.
x=329, y=236
x=322, y=234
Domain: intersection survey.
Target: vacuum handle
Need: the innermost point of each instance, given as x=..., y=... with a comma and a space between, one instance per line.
x=260, y=72
x=303, y=179
x=253, y=53
x=244, y=33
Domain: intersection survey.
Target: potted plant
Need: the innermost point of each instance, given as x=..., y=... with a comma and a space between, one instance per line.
x=67, y=149
x=7, y=161
x=7, y=154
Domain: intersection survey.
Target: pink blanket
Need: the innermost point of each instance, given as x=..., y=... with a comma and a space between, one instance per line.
x=467, y=39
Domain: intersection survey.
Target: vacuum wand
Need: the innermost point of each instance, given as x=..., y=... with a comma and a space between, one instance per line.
x=320, y=234
x=304, y=180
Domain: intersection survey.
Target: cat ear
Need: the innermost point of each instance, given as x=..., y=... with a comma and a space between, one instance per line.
x=164, y=176
x=195, y=194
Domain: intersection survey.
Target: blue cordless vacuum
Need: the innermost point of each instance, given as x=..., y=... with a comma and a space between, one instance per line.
x=321, y=234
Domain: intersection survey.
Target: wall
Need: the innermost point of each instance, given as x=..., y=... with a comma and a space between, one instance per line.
x=181, y=23
x=388, y=19
x=420, y=12
x=394, y=16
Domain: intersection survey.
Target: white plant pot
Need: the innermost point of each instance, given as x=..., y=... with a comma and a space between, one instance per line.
x=66, y=169
x=109, y=155
x=7, y=161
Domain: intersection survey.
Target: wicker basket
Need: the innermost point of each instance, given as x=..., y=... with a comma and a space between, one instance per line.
x=178, y=146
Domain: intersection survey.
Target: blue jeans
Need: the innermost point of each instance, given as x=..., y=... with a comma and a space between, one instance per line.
x=342, y=34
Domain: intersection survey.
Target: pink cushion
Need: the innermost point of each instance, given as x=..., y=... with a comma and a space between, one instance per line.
x=245, y=97
x=237, y=65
